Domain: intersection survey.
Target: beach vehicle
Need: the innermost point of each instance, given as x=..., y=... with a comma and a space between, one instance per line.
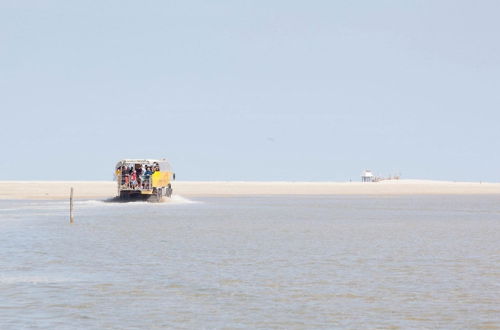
x=147, y=179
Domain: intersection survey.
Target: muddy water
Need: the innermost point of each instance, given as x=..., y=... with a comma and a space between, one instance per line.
x=252, y=262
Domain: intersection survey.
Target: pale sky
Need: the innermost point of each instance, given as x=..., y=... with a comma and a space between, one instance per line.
x=251, y=90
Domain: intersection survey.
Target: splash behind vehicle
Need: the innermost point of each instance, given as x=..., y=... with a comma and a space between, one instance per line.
x=146, y=179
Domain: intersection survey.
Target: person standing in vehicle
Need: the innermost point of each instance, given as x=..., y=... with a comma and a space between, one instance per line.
x=138, y=170
x=147, y=177
x=133, y=180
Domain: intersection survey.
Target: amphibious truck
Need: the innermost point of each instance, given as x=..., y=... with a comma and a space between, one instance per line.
x=146, y=179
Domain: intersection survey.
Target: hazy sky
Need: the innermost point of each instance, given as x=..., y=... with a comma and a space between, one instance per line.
x=251, y=90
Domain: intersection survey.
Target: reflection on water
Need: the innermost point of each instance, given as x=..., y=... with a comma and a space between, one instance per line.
x=250, y=262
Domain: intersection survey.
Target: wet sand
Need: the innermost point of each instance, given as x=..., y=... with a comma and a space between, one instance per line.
x=107, y=189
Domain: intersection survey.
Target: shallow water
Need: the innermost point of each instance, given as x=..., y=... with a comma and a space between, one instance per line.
x=252, y=262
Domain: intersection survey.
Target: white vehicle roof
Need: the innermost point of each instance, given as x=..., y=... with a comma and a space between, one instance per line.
x=164, y=165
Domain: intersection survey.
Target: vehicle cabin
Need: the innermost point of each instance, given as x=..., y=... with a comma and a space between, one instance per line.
x=144, y=179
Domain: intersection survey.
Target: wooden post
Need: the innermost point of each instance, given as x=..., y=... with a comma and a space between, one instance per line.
x=71, y=219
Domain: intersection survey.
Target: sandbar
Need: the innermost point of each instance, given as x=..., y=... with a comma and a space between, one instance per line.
x=108, y=189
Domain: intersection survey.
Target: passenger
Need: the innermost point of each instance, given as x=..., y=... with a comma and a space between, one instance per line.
x=138, y=169
x=126, y=179
x=123, y=171
x=126, y=176
x=133, y=180
x=147, y=177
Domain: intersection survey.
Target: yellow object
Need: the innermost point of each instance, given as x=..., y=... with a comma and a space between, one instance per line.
x=160, y=179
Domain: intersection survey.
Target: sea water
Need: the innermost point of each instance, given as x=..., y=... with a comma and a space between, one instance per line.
x=289, y=262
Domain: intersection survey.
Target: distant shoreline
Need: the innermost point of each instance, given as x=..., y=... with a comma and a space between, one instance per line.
x=18, y=190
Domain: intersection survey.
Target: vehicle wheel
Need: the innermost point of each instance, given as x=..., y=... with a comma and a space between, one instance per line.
x=168, y=191
x=124, y=195
x=159, y=193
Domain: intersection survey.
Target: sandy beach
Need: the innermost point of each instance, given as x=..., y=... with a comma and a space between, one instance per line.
x=107, y=189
